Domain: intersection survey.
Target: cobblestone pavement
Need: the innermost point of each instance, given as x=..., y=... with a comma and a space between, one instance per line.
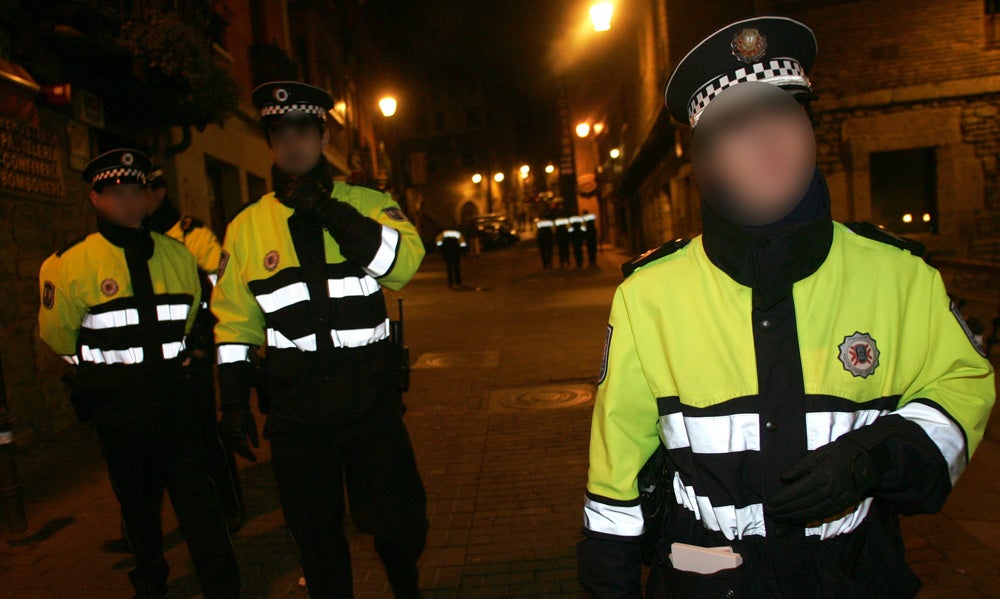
x=499, y=414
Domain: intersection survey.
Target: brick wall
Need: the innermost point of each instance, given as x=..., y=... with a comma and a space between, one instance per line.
x=874, y=44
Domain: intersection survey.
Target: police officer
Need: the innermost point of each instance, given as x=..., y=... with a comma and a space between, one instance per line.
x=117, y=305
x=302, y=270
x=452, y=243
x=562, y=240
x=808, y=381
x=590, y=222
x=544, y=240
x=577, y=231
x=202, y=242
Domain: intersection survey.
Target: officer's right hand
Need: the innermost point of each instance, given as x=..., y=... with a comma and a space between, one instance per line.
x=239, y=431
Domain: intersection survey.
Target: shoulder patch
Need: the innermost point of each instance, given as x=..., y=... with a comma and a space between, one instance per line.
x=48, y=295
x=395, y=214
x=69, y=245
x=874, y=232
x=654, y=254
x=189, y=222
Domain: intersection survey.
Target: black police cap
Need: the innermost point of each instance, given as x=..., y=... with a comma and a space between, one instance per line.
x=277, y=99
x=775, y=50
x=117, y=167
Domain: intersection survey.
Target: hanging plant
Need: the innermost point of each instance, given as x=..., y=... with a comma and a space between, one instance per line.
x=173, y=60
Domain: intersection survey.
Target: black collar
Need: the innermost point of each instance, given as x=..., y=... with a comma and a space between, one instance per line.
x=127, y=238
x=164, y=217
x=770, y=259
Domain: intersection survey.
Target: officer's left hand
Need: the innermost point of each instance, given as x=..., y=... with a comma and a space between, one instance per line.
x=826, y=482
x=311, y=198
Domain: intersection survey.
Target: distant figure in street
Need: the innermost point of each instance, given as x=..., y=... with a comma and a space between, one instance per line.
x=544, y=237
x=577, y=230
x=117, y=305
x=452, y=243
x=590, y=222
x=562, y=240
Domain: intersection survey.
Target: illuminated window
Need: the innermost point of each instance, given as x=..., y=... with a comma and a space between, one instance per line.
x=904, y=190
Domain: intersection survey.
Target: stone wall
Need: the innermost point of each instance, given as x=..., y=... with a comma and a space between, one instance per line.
x=30, y=230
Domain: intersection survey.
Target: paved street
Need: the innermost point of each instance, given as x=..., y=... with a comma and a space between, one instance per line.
x=499, y=414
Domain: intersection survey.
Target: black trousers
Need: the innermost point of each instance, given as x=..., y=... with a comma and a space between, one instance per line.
x=220, y=461
x=563, y=254
x=578, y=252
x=453, y=263
x=546, y=251
x=374, y=460
x=591, y=250
x=151, y=441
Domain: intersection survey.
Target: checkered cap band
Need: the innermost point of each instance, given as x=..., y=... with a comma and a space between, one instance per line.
x=277, y=110
x=120, y=173
x=778, y=71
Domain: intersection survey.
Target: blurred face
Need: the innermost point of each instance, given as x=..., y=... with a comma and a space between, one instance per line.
x=125, y=205
x=761, y=162
x=297, y=146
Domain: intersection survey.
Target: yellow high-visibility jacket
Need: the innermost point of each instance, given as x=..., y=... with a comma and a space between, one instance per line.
x=92, y=316
x=200, y=241
x=263, y=295
x=737, y=392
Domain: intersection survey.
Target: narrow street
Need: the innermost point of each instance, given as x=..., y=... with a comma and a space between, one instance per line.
x=499, y=413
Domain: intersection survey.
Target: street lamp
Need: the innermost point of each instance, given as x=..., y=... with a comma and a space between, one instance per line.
x=549, y=169
x=598, y=127
x=600, y=15
x=498, y=177
x=387, y=105
x=615, y=153
x=477, y=178
x=583, y=130
x=524, y=170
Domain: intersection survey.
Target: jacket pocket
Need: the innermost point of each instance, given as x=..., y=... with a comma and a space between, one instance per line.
x=733, y=583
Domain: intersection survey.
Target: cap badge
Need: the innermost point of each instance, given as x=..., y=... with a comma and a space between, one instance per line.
x=859, y=354
x=128, y=158
x=749, y=45
x=281, y=94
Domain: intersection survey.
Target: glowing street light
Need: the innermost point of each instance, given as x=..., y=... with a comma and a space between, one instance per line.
x=387, y=105
x=583, y=130
x=477, y=178
x=498, y=177
x=927, y=217
x=524, y=170
x=598, y=127
x=600, y=15
x=549, y=169
x=907, y=218
x=615, y=153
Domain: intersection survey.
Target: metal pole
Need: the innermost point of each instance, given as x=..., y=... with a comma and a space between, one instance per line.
x=13, y=520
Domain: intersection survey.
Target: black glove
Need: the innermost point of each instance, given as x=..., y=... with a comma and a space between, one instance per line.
x=238, y=430
x=237, y=425
x=610, y=569
x=81, y=399
x=832, y=479
x=310, y=196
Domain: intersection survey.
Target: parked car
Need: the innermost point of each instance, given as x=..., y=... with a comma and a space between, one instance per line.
x=493, y=230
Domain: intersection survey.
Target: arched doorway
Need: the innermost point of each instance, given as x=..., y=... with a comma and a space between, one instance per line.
x=468, y=211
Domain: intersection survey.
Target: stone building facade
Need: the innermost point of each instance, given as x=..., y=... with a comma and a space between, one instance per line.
x=908, y=123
